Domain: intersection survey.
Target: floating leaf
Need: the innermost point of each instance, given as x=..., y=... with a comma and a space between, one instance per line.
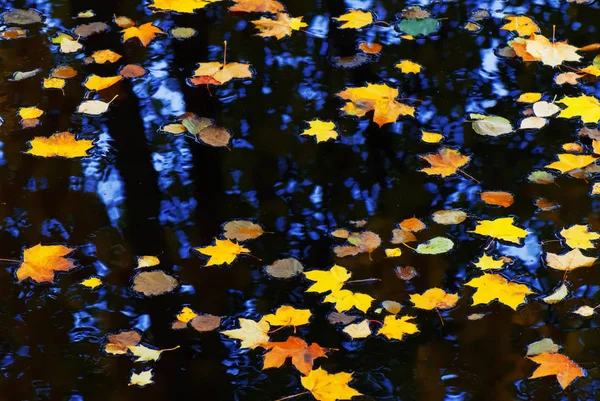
x=53, y=83
x=220, y=73
x=449, y=217
x=180, y=6
x=205, y=322
x=558, y=295
x=21, y=17
x=321, y=130
x=61, y=144
x=30, y=112
x=41, y=261
x=336, y=317
x=97, y=83
x=21, y=75
x=409, y=67
x=358, y=330
x=183, y=32
x=585, y=107
x=502, y=229
x=355, y=19
x=93, y=107
x=90, y=29
x=141, y=379
x=542, y=346
x=435, y=246
x=579, y=236
x=280, y=27
x=105, y=56
x=145, y=354
x=253, y=334
x=329, y=387
x=395, y=329
x=419, y=26
x=393, y=252
x=242, y=230
x=370, y=48
x=400, y=236
x=154, y=283
x=91, y=282
x=431, y=137
x=68, y=45
x=557, y=364
x=118, y=343
x=487, y=262
x=223, y=252
x=284, y=268
x=257, y=6
x=345, y=300
x=413, y=224
x=145, y=33
x=445, y=162
x=64, y=72
x=132, y=71
x=498, y=198
x=288, y=316
x=298, y=350
x=494, y=286
x=521, y=24
x=585, y=311
x=529, y=97
x=545, y=109
x=147, y=261
x=490, y=125
x=392, y=306
x=569, y=261
x=327, y=280
x=434, y=298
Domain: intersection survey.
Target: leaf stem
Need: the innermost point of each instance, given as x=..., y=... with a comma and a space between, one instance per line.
x=363, y=280
x=440, y=315
x=9, y=260
x=468, y=176
x=224, y=53
x=293, y=396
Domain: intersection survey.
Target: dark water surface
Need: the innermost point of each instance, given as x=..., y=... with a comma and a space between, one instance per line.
x=148, y=193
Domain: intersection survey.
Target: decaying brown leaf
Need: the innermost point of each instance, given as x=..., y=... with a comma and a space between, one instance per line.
x=154, y=283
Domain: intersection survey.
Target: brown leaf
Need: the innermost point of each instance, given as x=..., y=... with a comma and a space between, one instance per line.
x=401, y=236
x=124, y=22
x=284, y=268
x=340, y=233
x=415, y=12
x=337, y=317
x=206, y=322
x=132, y=71
x=90, y=29
x=242, y=230
x=30, y=122
x=118, y=343
x=365, y=241
x=64, y=72
x=215, y=136
x=591, y=133
x=154, y=283
x=405, y=273
x=345, y=250
x=413, y=224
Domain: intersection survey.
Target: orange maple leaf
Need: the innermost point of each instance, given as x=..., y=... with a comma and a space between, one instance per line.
x=296, y=348
x=257, y=6
x=41, y=261
x=445, y=162
x=556, y=364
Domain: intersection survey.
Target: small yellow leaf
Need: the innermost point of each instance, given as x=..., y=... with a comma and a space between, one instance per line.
x=105, y=56
x=355, y=19
x=393, y=252
x=91, y=282
x=494, y=286
x=280, y=27
x=434, y=298
x=321, y=130
x=186, y=315
x=571, y=260
x=502, y=229
x=54, y=83
x=145, y=33
x=327, y=280
x=253, y=334
x=445, y=162
x=141, y=379
x=288, y=316
x=394, y=328
x=345, y=299
x=529, y=97
x=223, y=252
x=147, y=261
x=487, y=262
x=579, y=236
x=585, y=107
x=145, y=354
x=568, y=162
x=41, y=261
x=30, y=112
x=180, y=6
x=329, y=387
x=522, y=24
x=358, y=330
x=96, y=83
x=431, y=137
x=408, y=67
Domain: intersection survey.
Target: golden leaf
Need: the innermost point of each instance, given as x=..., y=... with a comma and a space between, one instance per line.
x=434, y=298
x=280, y=27
x=568, y=162
x=180, y=6
x=502, y=229
x=61, y=144
x=345, y=299
x=379, y=98
x=355, y=19
x=494, y=286
x=253, y=334
x=186, y=315
x=408, y=67
x=41, y=261
x=445, y=162
x=257, y=6
x=321, y=130
x=529, y=97
x=522, y=24
x=329, y=387
x=91, y=282
x=288, y=316
x=145, y=33
x=220, y=73
x=327, y=280
x=30, y=112
x=583, y=106
x=431, y=137
x=498, y=198
x=358, y=330
x=54, y=83
x=296, y=348
x=550, y=53
x=569, y=261
x=96, y=83
x=579, y=236
x=487, y=262
x=141, y=379
x=395, y=329
x=242, y=230
x=147, y=261
x=105, y=56
x=145, y=354
x=557, y=364
x=223, y=252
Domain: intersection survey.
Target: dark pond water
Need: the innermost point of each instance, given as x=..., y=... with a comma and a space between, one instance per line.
x=148, y=193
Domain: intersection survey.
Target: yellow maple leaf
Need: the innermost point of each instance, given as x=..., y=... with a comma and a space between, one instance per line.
x=321, y=130
x=41, y=261
x=379, y=98
x=569, y=261
x=568, y=162
x=434, y=298
x=327, y=280
x=61, y=144
x=105, y=56
x=91, y=282
x=557, y=364
x=253, y=334
x=224, y=251
x=141, y=379
x=30, y=112
x=395, y=329
x=579, y=236
x=329, y=387
x=257, y=6
x=407, y=67
x=550, y=53
x=345, y=299
x=219, y=72
x=186, y=315
x=97, y=83
x=288, y=316
x=522, y=24
x=145, y=33
x=355, y=19
x=280, y=27
x=502, y=229
x=583, y=106
x=494, y=286
x=54, y=83
x=487, y=262
x=180, y=6
x=445, y=162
